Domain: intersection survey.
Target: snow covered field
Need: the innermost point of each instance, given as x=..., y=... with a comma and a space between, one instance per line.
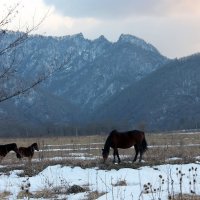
x=145, y=183
x=63, y=164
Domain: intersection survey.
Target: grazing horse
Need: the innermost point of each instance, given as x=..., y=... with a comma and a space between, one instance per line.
x=27, y=151
x=125, y=140
x=4, y=149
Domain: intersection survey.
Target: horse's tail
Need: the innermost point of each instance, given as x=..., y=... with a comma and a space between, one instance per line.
x=144, y=144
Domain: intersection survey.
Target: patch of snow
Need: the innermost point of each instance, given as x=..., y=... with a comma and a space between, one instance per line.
x=172, y=159
x=107, y=181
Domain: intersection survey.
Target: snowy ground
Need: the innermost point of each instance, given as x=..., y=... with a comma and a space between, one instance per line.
x=144, y=183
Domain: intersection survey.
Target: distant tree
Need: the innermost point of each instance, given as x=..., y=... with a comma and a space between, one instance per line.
x=11, y=83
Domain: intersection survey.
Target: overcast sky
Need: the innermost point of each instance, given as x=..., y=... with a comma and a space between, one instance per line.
x=172, y=26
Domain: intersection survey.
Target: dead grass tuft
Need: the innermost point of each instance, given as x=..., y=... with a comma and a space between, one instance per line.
x=75, y=189
x=24, y=194
x=186, y=197
x=4, y=195
x=120, y=183
x=45, y=193
x=94, y=195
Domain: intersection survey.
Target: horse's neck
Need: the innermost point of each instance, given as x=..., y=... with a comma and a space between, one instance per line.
x=107, y=143
x=31, y=149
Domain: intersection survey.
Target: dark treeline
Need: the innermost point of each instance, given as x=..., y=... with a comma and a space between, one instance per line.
x=11, y=129
x=19, y=130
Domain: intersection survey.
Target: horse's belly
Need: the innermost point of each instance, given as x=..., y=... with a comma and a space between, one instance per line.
x=125, y=146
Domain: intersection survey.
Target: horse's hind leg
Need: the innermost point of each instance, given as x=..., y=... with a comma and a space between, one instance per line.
x=136, y=153
x=141, y=152
x=114, y=153
x=118, y=156
x=1, y=158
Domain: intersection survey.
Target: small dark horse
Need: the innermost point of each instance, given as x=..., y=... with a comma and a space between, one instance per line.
x=27, y=151
x=125, y=140
x=6, y=148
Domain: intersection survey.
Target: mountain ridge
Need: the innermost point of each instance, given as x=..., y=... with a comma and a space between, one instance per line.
x=168, y=98
x=102, y=79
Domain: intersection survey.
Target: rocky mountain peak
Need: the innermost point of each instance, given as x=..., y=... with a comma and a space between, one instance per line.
x=127, y=38
x=102, y=39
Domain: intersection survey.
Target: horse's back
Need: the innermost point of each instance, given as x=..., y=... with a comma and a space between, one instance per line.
x=5, y=148
x=137, y=135
x=22, y=148
x=131, y=133
x=126, y=139
x=136, y=132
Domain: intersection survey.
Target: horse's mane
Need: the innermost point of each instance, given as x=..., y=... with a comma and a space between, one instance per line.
x=108, y=143
x=32, y=145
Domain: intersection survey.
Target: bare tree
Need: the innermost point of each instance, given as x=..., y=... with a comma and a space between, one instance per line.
x=11, y=82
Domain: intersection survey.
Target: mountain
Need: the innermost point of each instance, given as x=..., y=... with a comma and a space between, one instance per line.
x=166, y=99
x=98, y=70
x=103, y=69
x=126, y=84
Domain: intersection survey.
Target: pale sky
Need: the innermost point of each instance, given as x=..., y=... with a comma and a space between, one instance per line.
x=172, y=26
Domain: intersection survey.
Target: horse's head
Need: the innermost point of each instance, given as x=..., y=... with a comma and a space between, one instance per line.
x=105, y=154
x=35, y=146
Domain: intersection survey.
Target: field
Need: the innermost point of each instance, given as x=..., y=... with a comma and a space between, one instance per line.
x=72, y=168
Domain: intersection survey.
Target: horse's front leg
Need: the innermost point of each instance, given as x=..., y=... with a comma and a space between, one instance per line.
x=136, y=153
x=114, y=153
x=29, y=160
x=118, y=156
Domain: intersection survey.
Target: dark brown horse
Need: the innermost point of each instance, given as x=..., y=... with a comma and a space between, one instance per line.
x=6, y=148
x=27, y=151
x=125, y=140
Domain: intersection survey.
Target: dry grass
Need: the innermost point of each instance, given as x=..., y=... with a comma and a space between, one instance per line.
x=120, y=183
x=4, y=195
x=186, y=197
x=85, y=151
x=94, y=195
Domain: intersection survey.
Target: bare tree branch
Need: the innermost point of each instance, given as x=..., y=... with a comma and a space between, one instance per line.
x=37, y=81
x=22, y=37
x=8, y=72
x=7, y=18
